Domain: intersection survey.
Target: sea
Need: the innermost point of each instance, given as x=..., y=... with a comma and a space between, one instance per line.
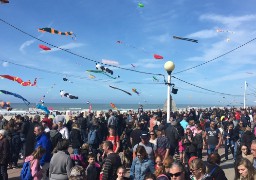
x=103, y=107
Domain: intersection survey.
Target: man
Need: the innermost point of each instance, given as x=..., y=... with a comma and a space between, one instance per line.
x=150, y=147
x=135, y=134
x=111, y=162
x=3, y=122
x=184, y=122
x=58, y=118
x=82, y=123
x=253, y=151
x=177, y=171
x=173, y=137
x=43, y=141
x=213, y=138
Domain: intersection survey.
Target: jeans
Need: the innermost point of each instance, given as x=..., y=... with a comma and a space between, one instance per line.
x=84, y=135
x=235, y=150
x=3, y=172
x=227, y=146
x=211, y=149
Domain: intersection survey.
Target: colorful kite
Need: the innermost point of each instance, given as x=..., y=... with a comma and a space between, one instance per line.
x=42, y=107
x=156, y=56
x=53, y=31
x=43, y=47
x=135, y=91
x=70, y=96
x=6, y=105
x=4, y=1
x=141, y=5
x=186, y=39
x=19, y=80
x=121, y=90
x=91, y=76
x=110, y=62
x=113, y=106
x=15, y=95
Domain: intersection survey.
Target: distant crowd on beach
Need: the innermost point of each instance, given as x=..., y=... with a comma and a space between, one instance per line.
x=136, y=145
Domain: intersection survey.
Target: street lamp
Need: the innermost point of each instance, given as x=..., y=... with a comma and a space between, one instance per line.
x=169, y=67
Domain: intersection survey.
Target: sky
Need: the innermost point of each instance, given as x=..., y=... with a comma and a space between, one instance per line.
x=212, y=71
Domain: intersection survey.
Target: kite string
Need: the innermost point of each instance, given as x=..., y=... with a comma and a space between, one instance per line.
x=75, y=54
x=204, y=88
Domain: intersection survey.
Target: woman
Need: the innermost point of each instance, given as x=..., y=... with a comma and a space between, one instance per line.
x=114, y=139
x=190, y=149
x=61, y=163
x=76, y=138
x=4, y=154
x=213, y=162
x=162, y=145
x=141, y=165
x=198, y=140
x=153, y=138
x=198, y=170
x=34, y=160
x=247, y=137
x=244, y=170
x=63, y=130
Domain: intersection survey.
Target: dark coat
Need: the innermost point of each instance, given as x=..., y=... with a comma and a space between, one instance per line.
x=4, y=151
x=30, y=139
x=247, y=138
x=75, y=137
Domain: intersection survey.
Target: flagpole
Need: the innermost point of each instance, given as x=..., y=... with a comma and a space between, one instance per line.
x=245, y=85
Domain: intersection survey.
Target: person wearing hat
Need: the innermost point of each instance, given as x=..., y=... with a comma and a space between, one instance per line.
x=150, y=148
x=4, y=154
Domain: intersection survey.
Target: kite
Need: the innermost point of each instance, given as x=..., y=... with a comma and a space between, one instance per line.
x=102, y=72
x=104, y=69
x=186, y=39
x=15, y=95
x=113, y=106
x=135, y=91
x=121, y=90
x=6, y=105
x=110, y=62
x=133, y=66
x=91, y=76
x=42, y=107
x=53, y=31
x=141, y=5
x=221, y=30
x=155, y=79
x=65, y=79
x=4, y=1
x=43, y=47
x=156, y=56
x=70, y=96
x=19, y=80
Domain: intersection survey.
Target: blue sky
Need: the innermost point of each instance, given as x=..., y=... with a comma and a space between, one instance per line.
x=98, y=25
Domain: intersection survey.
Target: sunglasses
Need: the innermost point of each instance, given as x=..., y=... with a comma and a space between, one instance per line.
x=175, y=174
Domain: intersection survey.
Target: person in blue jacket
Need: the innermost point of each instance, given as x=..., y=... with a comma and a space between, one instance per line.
x=43, y=140
x=141, y=165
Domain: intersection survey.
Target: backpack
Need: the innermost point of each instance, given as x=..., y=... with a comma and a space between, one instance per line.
x=92, y=137
x=25, y=173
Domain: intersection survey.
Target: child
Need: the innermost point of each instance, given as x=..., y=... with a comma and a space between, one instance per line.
x=93, y=169
x=121, y=171
x=34, y=160
x=78, y=158
x=182, y=150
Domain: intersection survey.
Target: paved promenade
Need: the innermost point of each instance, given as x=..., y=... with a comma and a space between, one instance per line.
x=227, y=166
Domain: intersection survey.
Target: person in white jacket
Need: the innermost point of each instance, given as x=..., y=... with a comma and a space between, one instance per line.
x=63, y=130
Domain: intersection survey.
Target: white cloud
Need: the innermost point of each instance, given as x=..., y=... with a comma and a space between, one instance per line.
x=5, y=64
x=66, y=46
x=203, y=34
x=25, y=45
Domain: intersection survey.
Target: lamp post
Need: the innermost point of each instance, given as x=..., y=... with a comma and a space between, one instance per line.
x=169, y=67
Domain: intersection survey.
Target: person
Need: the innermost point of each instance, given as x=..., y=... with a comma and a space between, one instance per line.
x=198, y=141
x=3, y=122
x=82, y=124
x=160, y=173
x=173, y=138
x=182, y=150
x=55, y=136
x=243, y=151
x=34, y=159
x=244, y=170
x=135, y=134
x=253, y=151
x=247, y=137
x=4, y=154
x=198, y=170
x=229, y=140
x=153, y=138
x=93, y=169
x=150, y=148
x=110, y=163
x=162, y=145
x=167, y=164
x=77, y=173
x=121, y=171
x=76, y=138
x=61, y=163
x=212, y=138
x=177, y=171
x=184, y=122
x=141, y=165
x=43, y=140
x=63, y=130
x=114, y=138
x=213, y=162
x=94, y=136
x=190, y=147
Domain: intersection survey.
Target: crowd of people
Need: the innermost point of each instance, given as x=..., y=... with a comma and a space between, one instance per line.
x=136, y=145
